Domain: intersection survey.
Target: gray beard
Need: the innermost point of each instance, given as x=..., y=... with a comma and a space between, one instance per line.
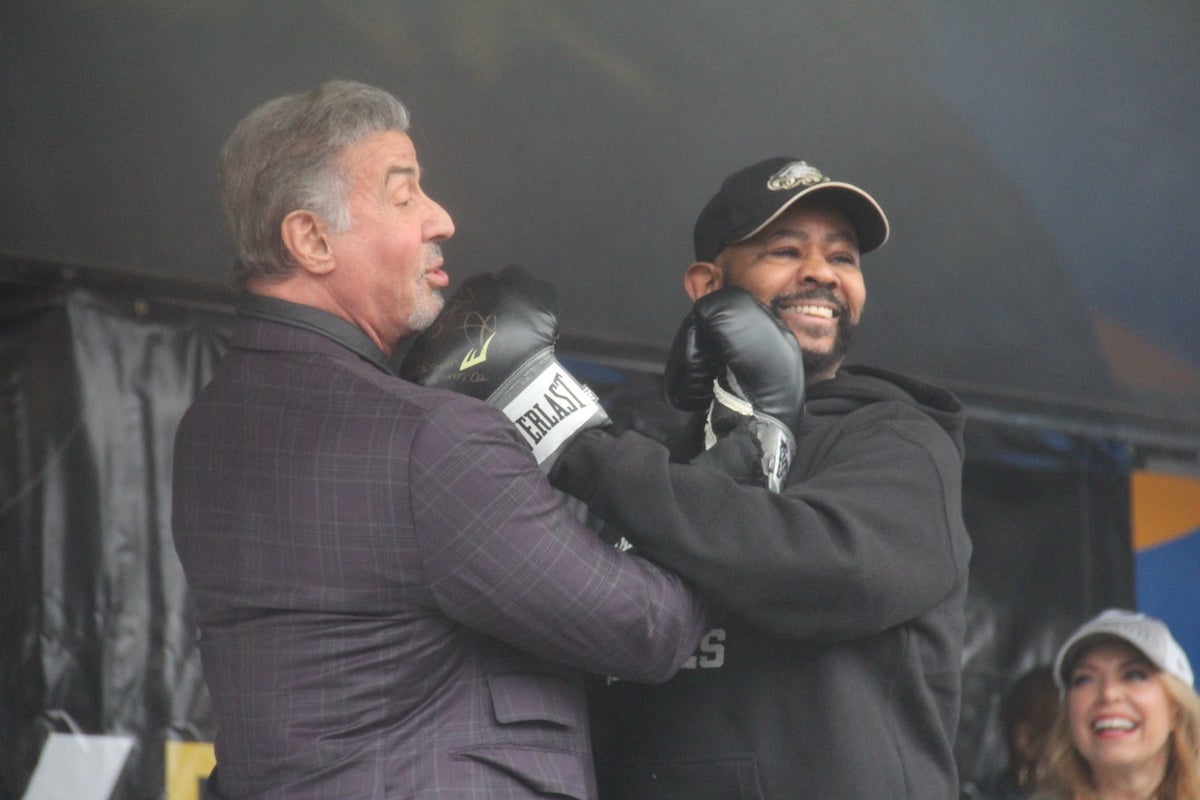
x=425, y=313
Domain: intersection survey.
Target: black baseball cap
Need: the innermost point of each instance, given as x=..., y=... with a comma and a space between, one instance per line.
x=753, y=197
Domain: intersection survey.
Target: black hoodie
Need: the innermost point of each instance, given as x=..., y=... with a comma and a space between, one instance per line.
x=835, y=669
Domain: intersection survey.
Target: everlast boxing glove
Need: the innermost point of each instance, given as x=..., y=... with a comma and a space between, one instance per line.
x=734, y=356
x=494, y=340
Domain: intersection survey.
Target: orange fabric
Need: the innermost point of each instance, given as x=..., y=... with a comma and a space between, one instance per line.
x=1163, y=507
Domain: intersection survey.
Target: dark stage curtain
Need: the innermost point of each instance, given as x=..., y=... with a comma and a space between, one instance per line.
x=1049, y=518
x=96, y=631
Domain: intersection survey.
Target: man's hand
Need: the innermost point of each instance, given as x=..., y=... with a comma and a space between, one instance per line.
x=494, y=340
x=732, y=355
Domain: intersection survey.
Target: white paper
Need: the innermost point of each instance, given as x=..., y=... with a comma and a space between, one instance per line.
x=76, y=766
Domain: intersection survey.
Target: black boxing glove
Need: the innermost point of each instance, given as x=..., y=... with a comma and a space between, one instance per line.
x=689, y=373
x=494, y=340
x=733, y=355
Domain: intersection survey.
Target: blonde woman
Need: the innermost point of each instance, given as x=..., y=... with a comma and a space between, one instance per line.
x=1129, y=724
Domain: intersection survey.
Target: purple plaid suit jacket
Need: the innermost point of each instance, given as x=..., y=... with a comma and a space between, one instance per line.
x=392, y=601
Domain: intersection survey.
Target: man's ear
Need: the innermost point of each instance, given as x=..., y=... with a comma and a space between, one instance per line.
x=303, y=234
x=701, y=278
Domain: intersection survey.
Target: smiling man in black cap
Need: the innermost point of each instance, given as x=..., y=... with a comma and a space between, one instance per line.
x=818, y=504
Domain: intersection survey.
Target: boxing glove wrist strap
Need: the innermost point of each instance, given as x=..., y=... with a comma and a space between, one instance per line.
x=547, y=404
x=776, y=443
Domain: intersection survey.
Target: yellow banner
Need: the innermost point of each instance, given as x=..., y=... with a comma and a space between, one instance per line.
x=188, y=764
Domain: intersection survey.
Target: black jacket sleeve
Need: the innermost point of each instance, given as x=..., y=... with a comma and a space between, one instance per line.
x=867, y=533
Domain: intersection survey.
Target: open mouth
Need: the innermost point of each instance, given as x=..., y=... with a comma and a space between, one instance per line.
x=808, y=310
x=816, y=306
x=1113, y=725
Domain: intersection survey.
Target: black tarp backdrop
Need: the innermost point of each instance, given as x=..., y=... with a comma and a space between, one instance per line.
x=97, y=368
x=95, y=621
x=1039, y=161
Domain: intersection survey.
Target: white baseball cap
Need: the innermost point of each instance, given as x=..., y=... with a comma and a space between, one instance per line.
x=1147, y=634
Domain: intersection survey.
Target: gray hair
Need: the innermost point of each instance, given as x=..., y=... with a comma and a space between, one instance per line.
x=283, y=156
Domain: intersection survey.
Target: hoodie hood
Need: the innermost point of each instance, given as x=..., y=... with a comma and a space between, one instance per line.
x=858, y=386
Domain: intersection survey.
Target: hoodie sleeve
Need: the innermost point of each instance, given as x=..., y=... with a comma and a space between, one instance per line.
x=870, y=533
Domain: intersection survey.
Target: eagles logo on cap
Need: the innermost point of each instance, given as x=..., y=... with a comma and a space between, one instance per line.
x=797, y=173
